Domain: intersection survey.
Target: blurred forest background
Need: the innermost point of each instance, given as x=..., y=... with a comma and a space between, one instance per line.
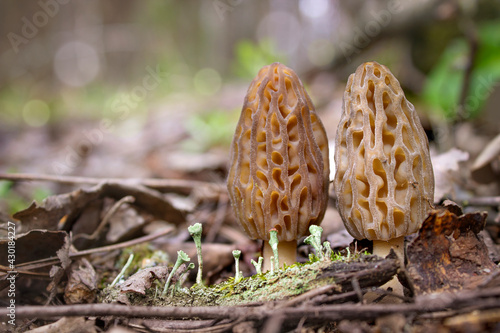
x=154, y=88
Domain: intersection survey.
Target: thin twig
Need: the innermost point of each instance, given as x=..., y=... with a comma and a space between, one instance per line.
x=383, y=293
x=338, y=298
x=54, y=260
x=483, y=299
x=309, y=295
x=273, y=323
x=109, y=214
x=357, y=288
x=301, y=324
x=218, y=219
x=174, y=185
x=24, y=272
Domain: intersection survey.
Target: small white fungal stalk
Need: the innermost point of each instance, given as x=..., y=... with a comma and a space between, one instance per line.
x=328, y=250
x=258, y=265
x=122, y=272
x=238, y=275
x=315, y=240
x=182, y=277
x=195, y=231
x=273, y=242
x=182, y=258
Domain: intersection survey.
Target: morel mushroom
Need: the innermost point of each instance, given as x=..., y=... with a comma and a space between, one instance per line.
x=384, y=179
x=279, y=170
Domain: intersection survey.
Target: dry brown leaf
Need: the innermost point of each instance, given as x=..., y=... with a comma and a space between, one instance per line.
x=486, y=167
x=35, y=245
x=446, y=166
x=68, y=325
x=125, y=222
x=448, y=254
x=62, y=211
x=142, y=280
x=82, y=283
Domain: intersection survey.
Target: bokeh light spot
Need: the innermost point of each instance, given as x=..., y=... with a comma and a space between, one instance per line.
x=320, y=52
x=76, y=64
x=207, y=81
x=36, y=113
x=313, y=8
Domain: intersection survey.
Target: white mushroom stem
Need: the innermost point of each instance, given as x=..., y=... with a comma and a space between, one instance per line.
x=287, y=254
x=382, y=249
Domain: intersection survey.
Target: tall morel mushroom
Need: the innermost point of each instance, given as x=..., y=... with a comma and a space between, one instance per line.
x=279, y=170
x=384, y=179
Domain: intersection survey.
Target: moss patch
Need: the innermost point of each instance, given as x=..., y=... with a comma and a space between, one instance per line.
x=288, y=282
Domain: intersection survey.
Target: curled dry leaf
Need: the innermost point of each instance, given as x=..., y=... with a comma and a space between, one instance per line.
x=35, y=245
x=142, y=280
x=446, y=167
x=58, y=272
x=448, y=254
x=486, y=167
x=68, y=325
x=123, y=223
x=64, y=209
x=63, y=253
x=82, y=283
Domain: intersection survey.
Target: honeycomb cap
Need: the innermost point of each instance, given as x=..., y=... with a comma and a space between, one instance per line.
x=278, y=177
x=384, y=179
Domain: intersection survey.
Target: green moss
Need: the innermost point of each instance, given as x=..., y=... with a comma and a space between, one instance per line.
x=287, y=282
x=291, y=281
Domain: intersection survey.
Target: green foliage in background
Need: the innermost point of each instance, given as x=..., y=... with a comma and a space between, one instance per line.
x=251, y=57
x=14, y=201
x=444, y=83
x=211, y=129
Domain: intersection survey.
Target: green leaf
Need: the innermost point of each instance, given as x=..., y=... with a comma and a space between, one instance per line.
x=251, y=57
x=444, y=83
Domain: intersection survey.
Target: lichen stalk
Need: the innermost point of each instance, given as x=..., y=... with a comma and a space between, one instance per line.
x=122, y=272
x=328, y=250
x=182, y=258
x=182, y=278
x=273, y=241
x=258, y=265
x=315, y=240
x=236, y=255
x=195, y=231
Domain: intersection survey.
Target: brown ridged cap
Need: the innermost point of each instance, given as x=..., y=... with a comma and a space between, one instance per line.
x=279, y=170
